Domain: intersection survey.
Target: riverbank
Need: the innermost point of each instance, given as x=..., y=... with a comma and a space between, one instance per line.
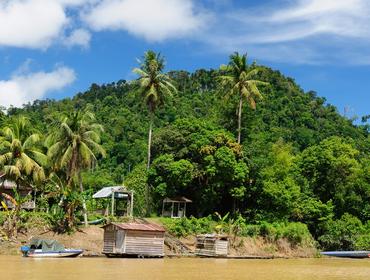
x=90, y=239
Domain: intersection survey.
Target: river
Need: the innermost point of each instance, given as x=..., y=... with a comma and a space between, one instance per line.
x=18, y=268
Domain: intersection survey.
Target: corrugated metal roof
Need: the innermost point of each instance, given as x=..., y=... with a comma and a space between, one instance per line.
x=107, y=191
x=139, y=226
x=177, y=199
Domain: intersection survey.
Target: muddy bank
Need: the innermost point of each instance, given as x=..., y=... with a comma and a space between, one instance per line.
x=247, y=246
x=90, y=239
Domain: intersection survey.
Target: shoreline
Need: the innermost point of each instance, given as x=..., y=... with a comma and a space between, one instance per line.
x=90, y=239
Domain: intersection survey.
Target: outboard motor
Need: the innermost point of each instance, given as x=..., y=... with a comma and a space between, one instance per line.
x=25, y=250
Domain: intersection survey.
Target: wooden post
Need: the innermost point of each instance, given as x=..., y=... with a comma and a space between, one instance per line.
x=132, y=204
x=185, y=209
x=112, y=211
x=163, y=208
x=172, y=210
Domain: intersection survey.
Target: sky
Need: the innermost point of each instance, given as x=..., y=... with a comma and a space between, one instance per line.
x=57, y=48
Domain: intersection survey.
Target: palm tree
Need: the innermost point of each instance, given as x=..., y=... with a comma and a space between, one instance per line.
x=239, y=80
x=21, y=161
x=74, y=147
x=21, y=156
x=154, y=86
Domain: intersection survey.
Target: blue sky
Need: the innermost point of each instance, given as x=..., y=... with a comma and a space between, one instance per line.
x=56, y=48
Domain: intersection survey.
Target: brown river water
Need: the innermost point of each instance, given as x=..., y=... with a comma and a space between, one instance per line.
x=16, y=267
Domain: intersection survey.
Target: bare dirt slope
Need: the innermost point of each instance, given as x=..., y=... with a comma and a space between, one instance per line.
x=89, y=239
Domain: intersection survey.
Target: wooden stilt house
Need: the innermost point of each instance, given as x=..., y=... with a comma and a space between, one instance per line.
x=212, y=245
x=133, y=239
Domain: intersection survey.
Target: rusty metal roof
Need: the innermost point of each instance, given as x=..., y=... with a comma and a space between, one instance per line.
x=139, y=226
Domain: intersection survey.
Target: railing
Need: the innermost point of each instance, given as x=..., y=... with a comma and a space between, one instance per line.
x=26, y=205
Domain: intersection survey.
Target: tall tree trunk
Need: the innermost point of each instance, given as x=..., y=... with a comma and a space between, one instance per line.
x=149, y=141
x=83, y=199
x=240, y=119
x=148, y=162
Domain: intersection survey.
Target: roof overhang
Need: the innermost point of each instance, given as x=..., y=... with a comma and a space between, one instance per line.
x=118, y=191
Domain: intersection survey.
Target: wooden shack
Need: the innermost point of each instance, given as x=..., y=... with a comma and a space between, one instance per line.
x=133, y=239
x=212, y=245
x=175, y=207
x=8, y=187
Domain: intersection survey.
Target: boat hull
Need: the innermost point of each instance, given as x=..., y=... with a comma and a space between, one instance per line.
x=54, y=254
x=348, y=254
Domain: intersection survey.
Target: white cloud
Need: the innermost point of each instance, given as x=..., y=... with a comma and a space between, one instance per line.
x=24, y=88
x=30, y=23
x=78, y=37
x=349, y=18
x=155, y=20
x=35, y=23
x=298, y=31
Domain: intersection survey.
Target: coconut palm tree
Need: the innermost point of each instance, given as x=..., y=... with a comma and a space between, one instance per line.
x=239, y=79
x=154, y=86
x=21, y=156
x=74, y=147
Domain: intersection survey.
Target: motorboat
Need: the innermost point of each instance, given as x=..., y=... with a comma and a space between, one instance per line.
x=44, y=248
x=347, y=254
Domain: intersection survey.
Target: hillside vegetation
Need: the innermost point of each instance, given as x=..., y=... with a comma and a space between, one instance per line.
x=298, y=159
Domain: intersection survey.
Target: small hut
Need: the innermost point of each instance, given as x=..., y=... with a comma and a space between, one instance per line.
x=212, y=245
x=133, y=239
x=8, y=188
x=175, y=207
x=116, y=194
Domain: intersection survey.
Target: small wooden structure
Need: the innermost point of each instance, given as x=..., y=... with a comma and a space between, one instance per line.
x=212, y=245
x=117, y=193
x=8, y=187
x=175, y=207
x=133, y=239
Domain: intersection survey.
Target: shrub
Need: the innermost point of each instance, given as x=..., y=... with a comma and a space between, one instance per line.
x=296, y=233
x=188, y=226
x=3, y=216
x=347, y=233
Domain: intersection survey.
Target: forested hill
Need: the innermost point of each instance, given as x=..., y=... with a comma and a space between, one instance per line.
x=299, y=158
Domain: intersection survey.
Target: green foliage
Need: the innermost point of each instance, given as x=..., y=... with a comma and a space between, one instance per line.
x=204, y=164
x=240, y=80
x=137, y=182
x=21, y=157
x=334, y=173
x=189, y=226
x=299, y=160
x=296, y=233
x=347, y=233
x=3, y=216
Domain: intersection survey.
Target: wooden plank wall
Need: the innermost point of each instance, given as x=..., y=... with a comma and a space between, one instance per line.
x=109, y=239
x=144, y=243
x=222, y=247
x=211, y=247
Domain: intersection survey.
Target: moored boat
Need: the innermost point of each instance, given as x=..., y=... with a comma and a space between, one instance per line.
x=347, y=254
x=42, y=248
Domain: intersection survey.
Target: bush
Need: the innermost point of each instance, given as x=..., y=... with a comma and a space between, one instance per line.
x=3, y=216
x=296, y=233
x=348, y=233
x=187, y=226
x=35, y=219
